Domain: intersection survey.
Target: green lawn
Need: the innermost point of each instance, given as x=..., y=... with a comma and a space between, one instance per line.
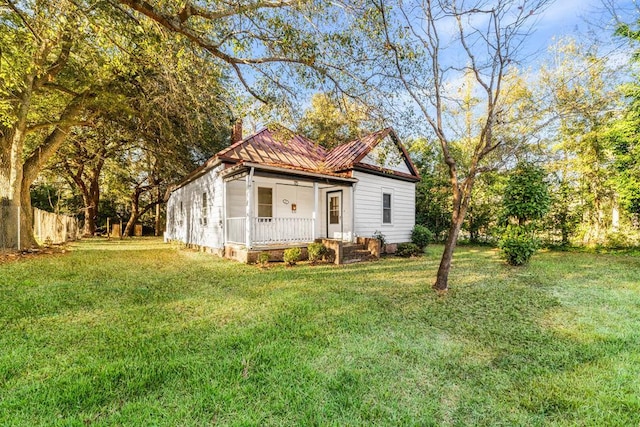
x=139, y=333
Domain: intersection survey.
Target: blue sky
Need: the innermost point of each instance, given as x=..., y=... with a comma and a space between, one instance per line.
x=573, y=17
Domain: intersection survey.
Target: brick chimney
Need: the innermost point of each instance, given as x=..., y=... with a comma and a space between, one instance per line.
x=236, y=132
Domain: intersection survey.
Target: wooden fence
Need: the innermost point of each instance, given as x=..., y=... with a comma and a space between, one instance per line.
x=54, y=228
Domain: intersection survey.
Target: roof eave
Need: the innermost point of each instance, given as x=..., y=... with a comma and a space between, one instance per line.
x=389, y=173
x=287, y=171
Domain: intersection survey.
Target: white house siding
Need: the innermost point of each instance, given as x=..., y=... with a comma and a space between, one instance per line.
x=368, y=207
x=187, y=224
x=286, y=193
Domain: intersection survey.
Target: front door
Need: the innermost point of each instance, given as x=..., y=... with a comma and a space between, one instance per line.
x=334, y=214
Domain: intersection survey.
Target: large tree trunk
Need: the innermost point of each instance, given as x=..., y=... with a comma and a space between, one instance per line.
x=16, y=213
x=457, y=218
x=9, y=200
x=135, y=213
x=90, y=214
x=16, y=173
x=27, y=236
x=12, y=234
x=90, y=197
x=461, y=200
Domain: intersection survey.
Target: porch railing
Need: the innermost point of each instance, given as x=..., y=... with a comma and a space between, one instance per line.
x=282, y=230
x=266, y=231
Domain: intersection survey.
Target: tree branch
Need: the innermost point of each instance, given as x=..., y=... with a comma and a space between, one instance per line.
x=41, y=154
x=24, y=20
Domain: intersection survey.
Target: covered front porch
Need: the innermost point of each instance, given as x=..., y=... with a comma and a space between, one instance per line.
x=266, y=206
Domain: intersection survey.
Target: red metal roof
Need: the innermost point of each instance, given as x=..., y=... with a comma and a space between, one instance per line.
x=281, y=147
x=277, y=147
x=344, y=156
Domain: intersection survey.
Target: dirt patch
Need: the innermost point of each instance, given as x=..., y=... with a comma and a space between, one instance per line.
x=6, y=256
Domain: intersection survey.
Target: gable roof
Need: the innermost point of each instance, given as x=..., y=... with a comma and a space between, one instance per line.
x=280, y=147
x=346, y=155
x=277, y=147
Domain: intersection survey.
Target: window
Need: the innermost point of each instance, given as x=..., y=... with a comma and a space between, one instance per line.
x=203, y=210
x=265, y=202
x=386, y=208
x=334, y=210
x=181, y=221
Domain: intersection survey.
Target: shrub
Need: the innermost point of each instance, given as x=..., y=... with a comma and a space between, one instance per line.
x=517, y=245
x=618, y=240
x=292, y=255
x=421, y=236
x=316, y=251
x=263, y=259
x=408, y=250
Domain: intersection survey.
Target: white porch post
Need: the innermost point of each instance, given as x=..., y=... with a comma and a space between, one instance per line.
x=224, y=213
x=314, y=217
x=352, y=191
x=249, y=209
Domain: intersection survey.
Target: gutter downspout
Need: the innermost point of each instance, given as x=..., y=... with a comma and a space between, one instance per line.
x=353, y=213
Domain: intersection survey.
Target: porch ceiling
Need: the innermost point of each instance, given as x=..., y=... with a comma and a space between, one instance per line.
x=241, y=170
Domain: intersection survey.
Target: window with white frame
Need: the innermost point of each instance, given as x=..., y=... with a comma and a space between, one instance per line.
x=203, y=209
x=265, y=202
x=386, y=208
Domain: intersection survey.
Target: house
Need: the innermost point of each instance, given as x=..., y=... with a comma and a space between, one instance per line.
x=277, y=189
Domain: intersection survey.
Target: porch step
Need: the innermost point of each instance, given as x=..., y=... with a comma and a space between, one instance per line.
x=354, y=253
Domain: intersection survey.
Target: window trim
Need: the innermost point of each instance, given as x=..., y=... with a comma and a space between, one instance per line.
x=204, y=208
x=337, y=210
x=389, y=192
x=257, y=213
x=326, y=211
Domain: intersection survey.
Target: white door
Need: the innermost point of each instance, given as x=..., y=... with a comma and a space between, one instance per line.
x=334, y=214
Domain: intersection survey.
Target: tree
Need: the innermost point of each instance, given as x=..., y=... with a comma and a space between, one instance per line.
x=526, y=196
x=270, y=41
x=331, y=123
x=484, y=206
x=433, y=199
x=625, y=135
x=420, y=44
x=63, y=65
x=526, y=200
x=565, y=211
x=580, y=91
x=82, y=160
x=37, y=40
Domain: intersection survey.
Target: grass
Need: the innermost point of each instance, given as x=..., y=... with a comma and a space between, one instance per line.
x=139, y=333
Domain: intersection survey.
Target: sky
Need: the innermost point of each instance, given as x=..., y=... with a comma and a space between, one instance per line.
x=565, y=18
x=576, y=17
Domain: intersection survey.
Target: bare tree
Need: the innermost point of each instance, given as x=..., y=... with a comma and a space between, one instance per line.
x=430, y=47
